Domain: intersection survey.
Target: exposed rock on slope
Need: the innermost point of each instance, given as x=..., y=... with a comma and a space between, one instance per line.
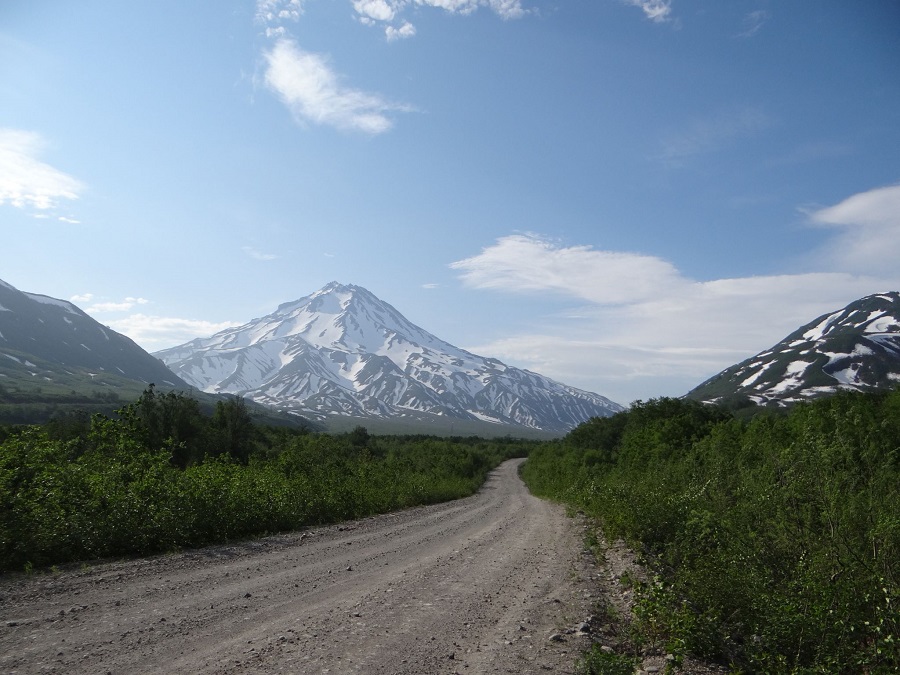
x=855, y=348
x=342, y=351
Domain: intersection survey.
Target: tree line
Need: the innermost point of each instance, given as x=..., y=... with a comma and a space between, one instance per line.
x=160, y=476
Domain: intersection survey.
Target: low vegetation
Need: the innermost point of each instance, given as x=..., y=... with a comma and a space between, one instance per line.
x=774, y=543
x=162, y=475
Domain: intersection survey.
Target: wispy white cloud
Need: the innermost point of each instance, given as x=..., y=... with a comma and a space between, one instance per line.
x=313, y=92
x=641, y=324
x=753, y=22
x=868, y=232
x=114, y=306
x=84, y=297
x=276, y=11
x=658, y=11
x=430, y=286
x=391, y=12
x=258, y=255
x=159, y=332
x=276, y=14
x=25, y=181
x=712, y=134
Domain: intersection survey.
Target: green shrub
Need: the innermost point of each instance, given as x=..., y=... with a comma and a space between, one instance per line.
x=776, y=540
x=137, y=485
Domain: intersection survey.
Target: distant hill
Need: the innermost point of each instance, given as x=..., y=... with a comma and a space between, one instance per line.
x=64, y=338
x=54, y=359
x=342, y=353
x=855, y=348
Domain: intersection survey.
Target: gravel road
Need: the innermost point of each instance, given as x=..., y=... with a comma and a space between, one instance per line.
x=477, y=585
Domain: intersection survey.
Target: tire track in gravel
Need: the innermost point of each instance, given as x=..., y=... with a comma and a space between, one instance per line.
x=472, y=586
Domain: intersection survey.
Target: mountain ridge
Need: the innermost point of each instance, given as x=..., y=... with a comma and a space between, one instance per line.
x=58, y=332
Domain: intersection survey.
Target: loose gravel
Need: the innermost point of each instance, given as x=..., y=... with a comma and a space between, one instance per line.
x=477, y=585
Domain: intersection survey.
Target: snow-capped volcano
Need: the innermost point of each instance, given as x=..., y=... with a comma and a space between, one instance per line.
x=854, y=348
x=343, y=351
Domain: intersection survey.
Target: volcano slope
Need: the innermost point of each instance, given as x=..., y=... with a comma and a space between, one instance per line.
x=477, y=585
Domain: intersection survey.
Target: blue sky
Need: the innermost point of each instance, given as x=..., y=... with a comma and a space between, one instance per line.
x=624, y=195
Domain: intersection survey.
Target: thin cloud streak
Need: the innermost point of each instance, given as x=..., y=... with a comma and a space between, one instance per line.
x=712, y=134
x=658, y=11
x=103, y=307
x=259, y=255
x=753, y=22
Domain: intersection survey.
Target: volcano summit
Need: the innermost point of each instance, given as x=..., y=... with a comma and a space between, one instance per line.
x=342, y=351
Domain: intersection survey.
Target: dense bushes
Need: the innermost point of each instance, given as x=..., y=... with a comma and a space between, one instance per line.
x=162, y=477
x=776, y=541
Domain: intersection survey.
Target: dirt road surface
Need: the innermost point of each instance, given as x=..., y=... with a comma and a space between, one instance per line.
x=477, y=585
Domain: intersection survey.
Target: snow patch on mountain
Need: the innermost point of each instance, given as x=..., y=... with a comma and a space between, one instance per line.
x=45, y=300
x=343, y=351
x=856, y=348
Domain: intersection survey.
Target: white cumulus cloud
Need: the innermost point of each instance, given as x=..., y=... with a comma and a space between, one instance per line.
x=158, y=332
x=275, y=11
x=868, y=231
x=312, y=91
x=407, y=30
x=376, y=10
x=527, y=262
x=634, y=322
x=27, y=182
